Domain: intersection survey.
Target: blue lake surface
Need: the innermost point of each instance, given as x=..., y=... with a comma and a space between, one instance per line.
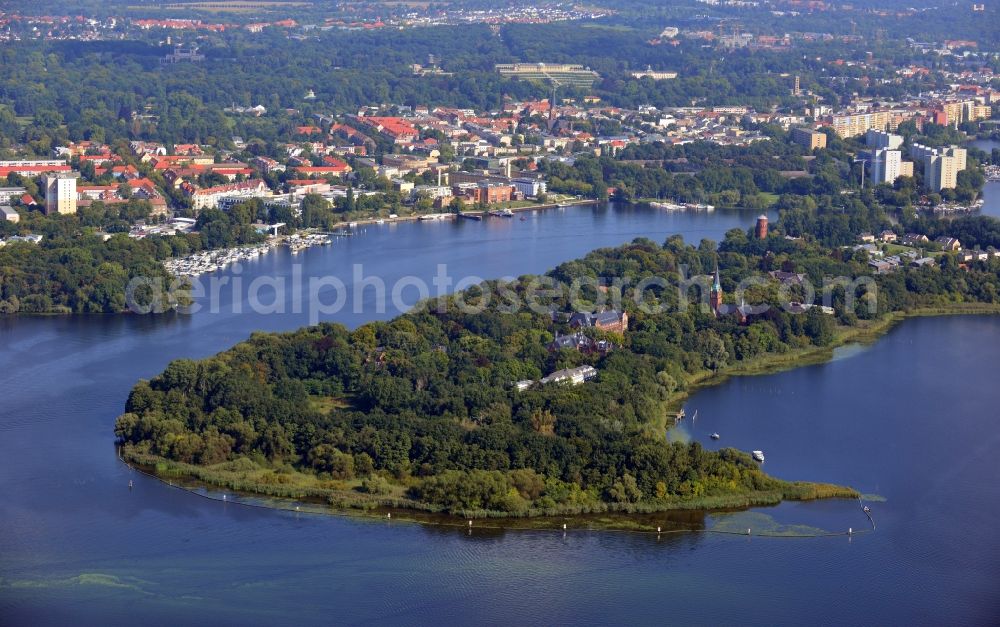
x=911, y=419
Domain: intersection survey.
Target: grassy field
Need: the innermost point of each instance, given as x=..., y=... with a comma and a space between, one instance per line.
x=769, y=198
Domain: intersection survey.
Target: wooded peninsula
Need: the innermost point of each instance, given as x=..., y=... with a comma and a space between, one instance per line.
x=447, y=410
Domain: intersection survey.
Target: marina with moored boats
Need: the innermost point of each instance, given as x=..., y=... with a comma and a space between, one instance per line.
x=212, y=260
x=689, y=206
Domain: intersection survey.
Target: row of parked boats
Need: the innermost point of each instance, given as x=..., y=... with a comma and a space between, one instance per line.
x=688, y=206
x=212, y=260
x=301, y=242
x=958, y=208
x=496, y=213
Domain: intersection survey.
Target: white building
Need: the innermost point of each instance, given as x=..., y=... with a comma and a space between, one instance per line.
x=529, y=187
x=885, y=166
x=60, y=194
x=573, y=376
x=211, y=196
x=433, y=191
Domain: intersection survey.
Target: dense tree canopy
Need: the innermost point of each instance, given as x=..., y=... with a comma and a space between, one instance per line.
x=426, y=402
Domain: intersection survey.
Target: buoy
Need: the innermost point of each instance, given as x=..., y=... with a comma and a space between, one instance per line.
x=389, y=515
x=470, y=523
x=223, y=497
x=657, y=530
x=850, y=530
x=748, y=530
x=129, y=484
x=296, y=508
x=564, y=525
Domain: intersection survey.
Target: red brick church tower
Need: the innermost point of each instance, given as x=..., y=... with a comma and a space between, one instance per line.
x=716, y=298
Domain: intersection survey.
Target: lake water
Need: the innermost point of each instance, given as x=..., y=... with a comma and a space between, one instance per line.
x=910, y=419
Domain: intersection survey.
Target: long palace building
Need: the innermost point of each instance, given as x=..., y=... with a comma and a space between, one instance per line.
x=559, y=73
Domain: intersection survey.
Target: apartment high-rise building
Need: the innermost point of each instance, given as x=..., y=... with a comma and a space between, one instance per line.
x=885, y=165
x=906, y=168
x=809, y=138
x=60, y=194
x=940, y=172
x=958, y=111
x=954, y=112
x=875, y=138
x=959, y=154
x=941, y=165
x=854, y=124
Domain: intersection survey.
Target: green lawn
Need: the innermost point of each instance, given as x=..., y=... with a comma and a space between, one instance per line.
x=769, y=198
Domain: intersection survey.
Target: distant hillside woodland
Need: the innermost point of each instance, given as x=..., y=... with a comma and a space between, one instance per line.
x=422, y=411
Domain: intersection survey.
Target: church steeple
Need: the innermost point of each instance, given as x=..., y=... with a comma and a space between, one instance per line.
x=716, y=297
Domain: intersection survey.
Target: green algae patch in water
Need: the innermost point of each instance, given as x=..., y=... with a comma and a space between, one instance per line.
x=761, y=524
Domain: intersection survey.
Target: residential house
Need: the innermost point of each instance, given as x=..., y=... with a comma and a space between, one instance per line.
x=267, y=165
x=974, y=255
x=949, y=243
x=913, y=239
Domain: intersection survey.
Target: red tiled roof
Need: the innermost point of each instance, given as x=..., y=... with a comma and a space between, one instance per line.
x=333, y=161
x=393, y=126
x=33, y=169
x=322, y=169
